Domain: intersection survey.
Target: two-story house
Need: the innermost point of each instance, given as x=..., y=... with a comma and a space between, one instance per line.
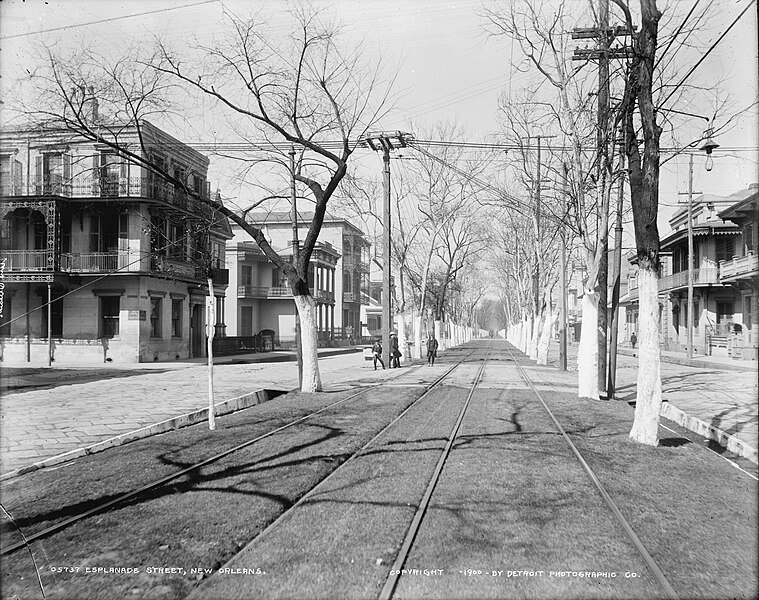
x=338, y=274
x=103, y=260
x=725, y=276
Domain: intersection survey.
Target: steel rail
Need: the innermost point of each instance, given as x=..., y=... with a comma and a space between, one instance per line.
x=307, y=496
x=647, y=558
x=395, y=571
x=134, y=493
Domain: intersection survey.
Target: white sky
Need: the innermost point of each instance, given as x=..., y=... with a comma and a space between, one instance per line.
x=448, y=67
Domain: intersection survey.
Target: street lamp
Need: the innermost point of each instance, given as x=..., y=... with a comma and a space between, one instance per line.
x=708, y=146
x=386, y=141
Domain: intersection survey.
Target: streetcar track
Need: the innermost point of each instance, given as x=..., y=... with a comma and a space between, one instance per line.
x=27, y=540
x=395, y=570
x=645, y=555
x=355, y=455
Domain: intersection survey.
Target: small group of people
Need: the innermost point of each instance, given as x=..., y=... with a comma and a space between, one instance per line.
x=395, y=353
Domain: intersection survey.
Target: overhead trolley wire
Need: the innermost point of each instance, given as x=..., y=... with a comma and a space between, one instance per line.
x=108, y=20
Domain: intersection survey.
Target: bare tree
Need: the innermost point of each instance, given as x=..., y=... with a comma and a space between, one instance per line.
x=303, y=91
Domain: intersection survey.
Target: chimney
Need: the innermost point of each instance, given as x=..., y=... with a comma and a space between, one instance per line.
x=92, y=105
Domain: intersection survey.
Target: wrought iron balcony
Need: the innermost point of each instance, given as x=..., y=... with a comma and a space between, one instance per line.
x=108, y=187
x=93, y=262
x=25, y=260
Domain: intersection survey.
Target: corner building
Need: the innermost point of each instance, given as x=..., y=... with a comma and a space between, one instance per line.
x=120, y=255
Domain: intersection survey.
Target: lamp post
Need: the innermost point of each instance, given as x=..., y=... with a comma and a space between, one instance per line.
x=708, y=146
x=386, y=141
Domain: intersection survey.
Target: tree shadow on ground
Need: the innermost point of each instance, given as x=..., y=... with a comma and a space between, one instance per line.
x=193, y=481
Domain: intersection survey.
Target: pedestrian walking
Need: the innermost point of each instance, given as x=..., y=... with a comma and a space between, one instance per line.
x=633, y=340
x=377, y=354
x=395, y=353
x=431, y=350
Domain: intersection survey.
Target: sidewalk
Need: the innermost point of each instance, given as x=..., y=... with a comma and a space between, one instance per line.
x=715, y=397
x=47, y=417
x=51, y=418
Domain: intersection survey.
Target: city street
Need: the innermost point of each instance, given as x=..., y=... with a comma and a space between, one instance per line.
x=42, y=423
x=368, y=490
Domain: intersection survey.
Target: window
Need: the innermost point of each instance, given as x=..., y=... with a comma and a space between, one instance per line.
x=10, y=176
x=246, y=275
x=748, y=237
x=725, y=248
x=53, y=173
x=110, y=169
x=246, y=321
x=176, y=318
x=109, y=316
x=177, y=241
x=155, y=317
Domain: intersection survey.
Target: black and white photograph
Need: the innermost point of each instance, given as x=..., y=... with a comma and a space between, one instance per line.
x=379, y=299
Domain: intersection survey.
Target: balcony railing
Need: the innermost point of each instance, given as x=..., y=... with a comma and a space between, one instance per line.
x=354, y=263
x=703, y=276
x=324, y=296
x=252, y=291
x=173, y=266
x=280, y=292
x=106, y=187
x=93, y=262
x=739, y=265
x=25, y=260
x=349, y=297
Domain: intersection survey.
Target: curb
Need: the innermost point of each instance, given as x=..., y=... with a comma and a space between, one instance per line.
x=192, y=418
x=686, y=362
x=730, y=442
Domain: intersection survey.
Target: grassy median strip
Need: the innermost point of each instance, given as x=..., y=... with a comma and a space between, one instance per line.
x=196, y=522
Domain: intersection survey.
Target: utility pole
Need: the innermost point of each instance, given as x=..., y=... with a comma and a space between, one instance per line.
x=603, y=53
x=386, y=142
x=603, y=162
x=690, y=257
x=296, y=258
x=563, y=284
x=537, y=241
x=616, y=278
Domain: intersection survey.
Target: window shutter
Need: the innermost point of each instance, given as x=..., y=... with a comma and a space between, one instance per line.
x=39, y=184
x=95, y=175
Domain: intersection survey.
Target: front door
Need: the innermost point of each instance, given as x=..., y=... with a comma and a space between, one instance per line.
x=197, y=330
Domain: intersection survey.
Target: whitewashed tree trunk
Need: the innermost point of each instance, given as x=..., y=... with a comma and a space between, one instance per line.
x=545, y=338
x=648, y=402
x=534, y=337
x=439, y=334
x=587, y=353
x=401, y=325
x=418, y=337
x=210, y=329
x=526, y=335
x=306, y=307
